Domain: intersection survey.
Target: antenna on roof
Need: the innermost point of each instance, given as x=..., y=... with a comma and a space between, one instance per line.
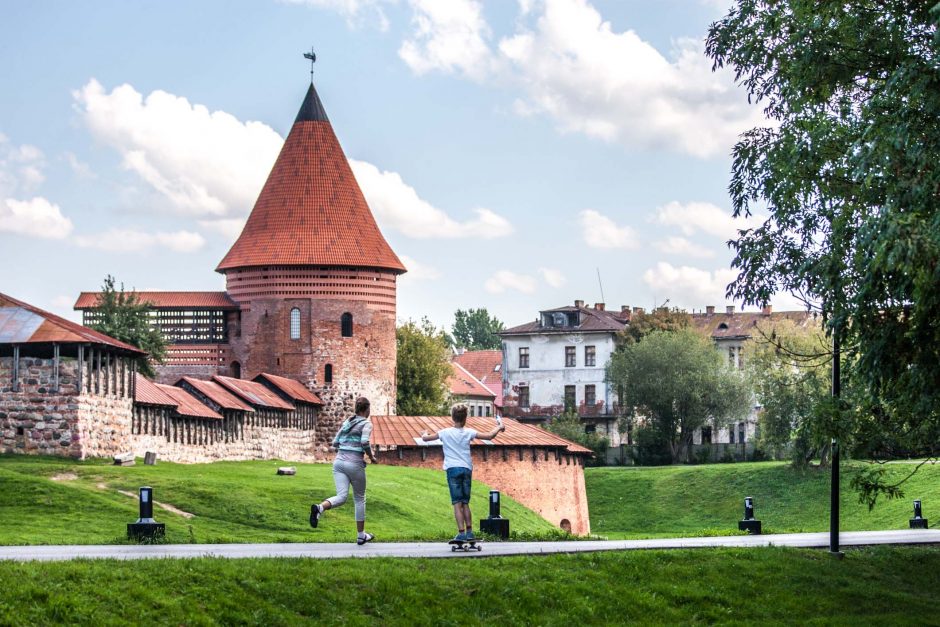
x=313, y=59
x=603, y=300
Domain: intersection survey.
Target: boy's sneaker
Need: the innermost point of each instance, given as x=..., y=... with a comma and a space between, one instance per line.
x=315, y=514
x=460, y=537
x=469, y=537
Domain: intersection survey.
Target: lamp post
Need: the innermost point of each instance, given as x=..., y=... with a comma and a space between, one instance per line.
x=834, y=485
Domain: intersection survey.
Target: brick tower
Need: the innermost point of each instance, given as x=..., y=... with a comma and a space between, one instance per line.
x=314, y=279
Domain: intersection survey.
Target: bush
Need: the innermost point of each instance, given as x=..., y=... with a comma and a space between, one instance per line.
x=569, y=426
x=652, y=449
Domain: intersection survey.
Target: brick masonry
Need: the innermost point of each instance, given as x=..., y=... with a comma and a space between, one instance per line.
x=549, y=484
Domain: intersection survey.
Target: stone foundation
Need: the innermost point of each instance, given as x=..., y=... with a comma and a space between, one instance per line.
x=548, y=483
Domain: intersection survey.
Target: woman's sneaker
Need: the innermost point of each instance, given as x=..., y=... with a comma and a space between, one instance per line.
x=315, y=514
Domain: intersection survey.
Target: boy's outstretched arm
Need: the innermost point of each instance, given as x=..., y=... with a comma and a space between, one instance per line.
x=492, y=434
x=429, y=437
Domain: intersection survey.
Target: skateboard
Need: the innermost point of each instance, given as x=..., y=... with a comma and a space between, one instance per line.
x=465, y=545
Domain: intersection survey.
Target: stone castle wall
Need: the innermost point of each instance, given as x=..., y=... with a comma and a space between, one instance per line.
x=548, y=483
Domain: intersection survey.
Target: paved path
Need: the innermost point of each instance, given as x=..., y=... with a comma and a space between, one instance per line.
x=441, y=550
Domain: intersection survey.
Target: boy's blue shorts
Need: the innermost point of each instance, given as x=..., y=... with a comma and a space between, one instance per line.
x=458, y=480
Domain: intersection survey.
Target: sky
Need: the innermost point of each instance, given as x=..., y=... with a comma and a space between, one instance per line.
x=517, y=154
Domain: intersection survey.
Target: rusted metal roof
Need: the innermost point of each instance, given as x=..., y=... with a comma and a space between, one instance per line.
x=406, y=430
x=255, y=393
x=187, y=404
x=311, y=211
x=22, y=323
x=167, y=300
x=217, y=394
x=291, y=387
x=742, y=325
x=464, y=384
x=146, y=392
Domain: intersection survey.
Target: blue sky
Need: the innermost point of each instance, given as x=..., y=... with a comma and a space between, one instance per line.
x=510, y=150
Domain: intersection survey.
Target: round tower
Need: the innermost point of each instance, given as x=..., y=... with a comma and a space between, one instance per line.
x=314, y=279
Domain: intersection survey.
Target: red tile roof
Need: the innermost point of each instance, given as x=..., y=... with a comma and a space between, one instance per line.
x=217, y=394
x=187, y=404
x=253, y=392
x=464, y=384
x=742, y=325
x=22, y=323
x=291, y=387
x=168, y=300
x=402, y=431
x=146, y=392
x=311, y=210
x=486, y=366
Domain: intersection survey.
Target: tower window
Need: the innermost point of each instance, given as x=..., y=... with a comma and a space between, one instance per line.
x=295, y=324
x=328, y=373
x=235, y=370
x=345, y=323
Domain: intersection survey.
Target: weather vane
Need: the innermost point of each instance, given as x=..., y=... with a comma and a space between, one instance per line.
x=313, y=59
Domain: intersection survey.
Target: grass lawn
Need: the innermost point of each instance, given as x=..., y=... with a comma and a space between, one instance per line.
x=709, y=499
x=46, y=500
x=882, y=585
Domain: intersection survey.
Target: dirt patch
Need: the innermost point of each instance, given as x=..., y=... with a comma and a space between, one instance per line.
x=165, y=506
x=64, y=476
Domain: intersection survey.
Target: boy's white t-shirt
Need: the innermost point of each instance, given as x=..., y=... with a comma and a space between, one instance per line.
x=456, y=443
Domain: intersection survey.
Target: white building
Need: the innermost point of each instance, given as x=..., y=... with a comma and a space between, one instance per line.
x=558, y=363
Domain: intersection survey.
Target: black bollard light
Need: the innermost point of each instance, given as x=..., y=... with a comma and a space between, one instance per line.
x=145, y=527
x=918, y=521
x=749, y=524
x=495, y=525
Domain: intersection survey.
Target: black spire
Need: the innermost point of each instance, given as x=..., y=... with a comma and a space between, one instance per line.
x=312, y=109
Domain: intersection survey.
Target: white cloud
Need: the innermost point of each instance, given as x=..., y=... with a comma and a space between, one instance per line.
x=352, y=10
x=132, y=241
x=504, y=280
x=449, y=36
x=688, y=287
x=36, y=217
x=205, y=163
x=575, y=68
x=418, y=271
x=79, y=167
x=601, y=232
x=397, y=204
x=553, y=277
x=703, y=216
x=229, y=227
x=682, y=246
x=20, y=167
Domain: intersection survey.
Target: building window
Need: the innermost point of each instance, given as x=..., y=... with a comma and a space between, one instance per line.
x=346, y=324
x=524, y=396
x=741, y=432
x=590, y=356
x=706, y=435
x=590, y=428
x=731, y=434
x=731, y=356
x=589, y=395
x=570, y=399
x=295, y=324
x=472, y=407
x=571, y=358
x=487, y=411
x=523, y=356
x=328, y=373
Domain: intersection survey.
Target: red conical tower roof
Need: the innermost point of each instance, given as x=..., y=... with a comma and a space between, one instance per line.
x=311, y=211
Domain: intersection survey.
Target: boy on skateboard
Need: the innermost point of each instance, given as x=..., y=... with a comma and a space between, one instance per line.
x=459, y=467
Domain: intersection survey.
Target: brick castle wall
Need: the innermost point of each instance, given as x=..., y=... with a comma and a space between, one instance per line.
x=549, y=484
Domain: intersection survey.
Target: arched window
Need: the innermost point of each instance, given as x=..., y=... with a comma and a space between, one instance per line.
x=345, y=323
x=328, y=373
x=295, y=324
x=236, y=370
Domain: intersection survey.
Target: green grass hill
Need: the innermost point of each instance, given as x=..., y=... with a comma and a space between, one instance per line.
x=45, y=500
x=708, y=500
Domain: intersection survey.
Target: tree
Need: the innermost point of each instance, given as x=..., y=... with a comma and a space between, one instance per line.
x=122, y=316
x=789, y=368
x=475, y=329
x=569, y=426
x=849, y=174
x=660, y=319
x=422, y=370
x=676, y=382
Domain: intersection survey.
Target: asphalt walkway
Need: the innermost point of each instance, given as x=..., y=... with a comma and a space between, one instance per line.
x=442, y=550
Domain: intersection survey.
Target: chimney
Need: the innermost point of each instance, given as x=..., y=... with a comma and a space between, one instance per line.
x=709, y=309
x=767, y=310
x=637, y=310
x=599, y=306
x=579, y=303
x=729, y=309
